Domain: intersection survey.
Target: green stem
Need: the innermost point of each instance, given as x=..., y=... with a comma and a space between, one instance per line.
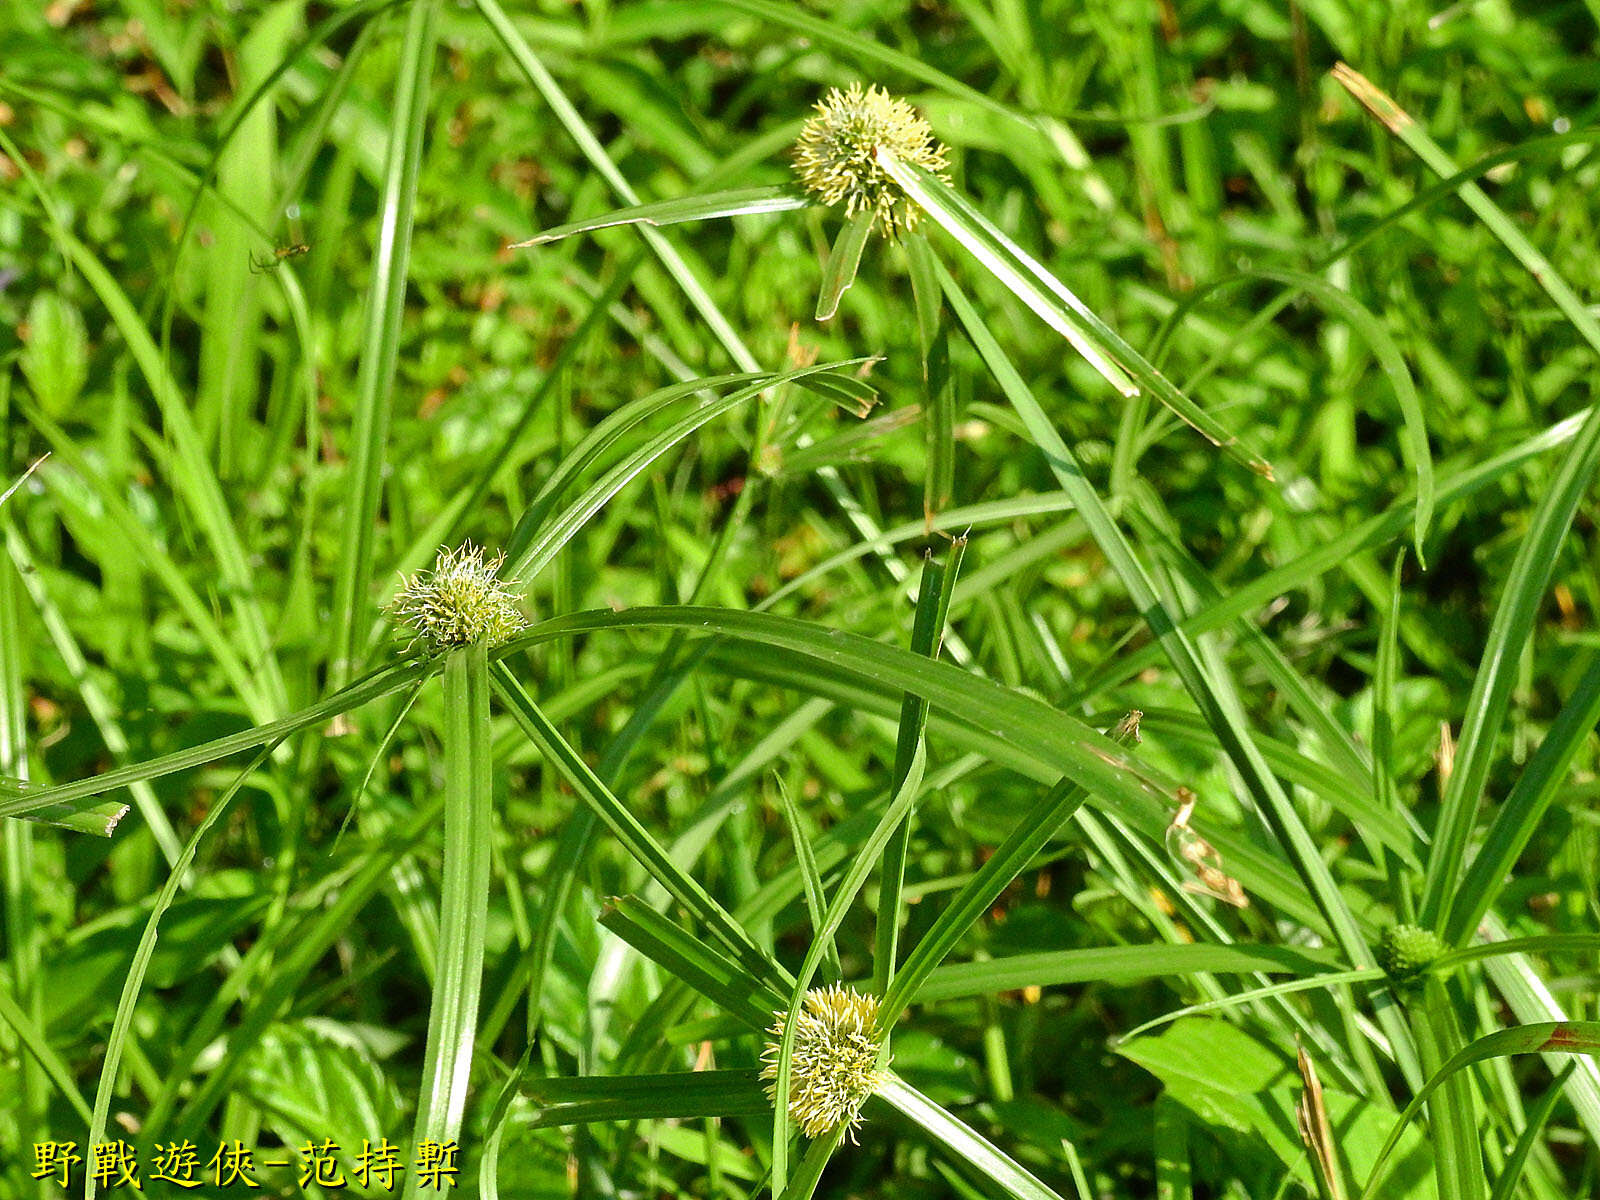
x=463, y=906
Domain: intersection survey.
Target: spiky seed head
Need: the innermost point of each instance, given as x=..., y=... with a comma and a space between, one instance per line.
x=835, y=1064
x=1406, y=950
x=836, y=154
x=461, y=601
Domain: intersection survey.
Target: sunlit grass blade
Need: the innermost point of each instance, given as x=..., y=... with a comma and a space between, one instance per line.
x=573, y=1100
x=1518, y=607
x=536, y=548
x=843, y=261
x=463, y=902
x=385, y=306
x=686, y=957
x=36, y=1043
x=1532, y=1002
x=629, y=831
x=191, y=473
x=133, y=983
x=1328, y=979
x=1030, y=834
x=805, y=858
x=1414, y=439
x=927, y=631
x=22, y=994
x=1098, y=762
x=1566, y=1037
x=1334, y=551
x=99, y=818
x=1384, y=827
x=293, y=949
x=866, y=856
x=964, y=1144
x=737, y=203
x=16, y=799
x=1213, y=696
x=1119, y=363
x=1048, y=968
x=1005, y=725
x=16, y=484
x=1505, y=1185
x=1522, y=810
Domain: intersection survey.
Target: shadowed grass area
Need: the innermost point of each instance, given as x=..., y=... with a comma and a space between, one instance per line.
x=1115, y=592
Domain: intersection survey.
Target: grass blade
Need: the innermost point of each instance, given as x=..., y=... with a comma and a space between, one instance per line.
x=805, y=858
x=380, y=339
x=843, y=261
x=933, y=607
x=1555, y=1037
x=676, y=1095
x=1010, y=857
x=1048, y=968
x=1119, y=363
x=122, y=1022
x=1505, y=1185
x=463, y=902
x=1520, y=813
x=16, y=798
x=737, y=203
x=629, y=831
x=964, y=1144
x=855, y=876
x=1213, y=696
x=1530, y=573
x=704, y=968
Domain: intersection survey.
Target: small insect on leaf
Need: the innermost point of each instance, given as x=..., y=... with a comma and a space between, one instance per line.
x=260, y=265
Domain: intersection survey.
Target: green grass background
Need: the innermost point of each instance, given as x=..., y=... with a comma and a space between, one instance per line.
x=259, y=309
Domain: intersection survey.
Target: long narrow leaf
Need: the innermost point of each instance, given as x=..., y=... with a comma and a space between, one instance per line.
x=1556, y=1037
x=463, y=902
x=741, y=202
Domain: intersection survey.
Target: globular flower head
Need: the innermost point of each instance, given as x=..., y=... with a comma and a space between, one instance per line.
x=1406, y=950
x=461, y=601
x=836, y=154
x=835, y=1063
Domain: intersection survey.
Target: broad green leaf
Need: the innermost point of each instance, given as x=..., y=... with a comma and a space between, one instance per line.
x=1245, y=1091
x=316, y=1080
x=55, y=354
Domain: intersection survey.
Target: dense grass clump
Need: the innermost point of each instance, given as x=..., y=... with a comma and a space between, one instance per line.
x=1093, y=698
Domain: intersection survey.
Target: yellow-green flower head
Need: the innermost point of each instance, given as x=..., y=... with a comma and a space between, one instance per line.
x=835, y=1063
x=835, y=156
x=461, y=601
x=1407, y=950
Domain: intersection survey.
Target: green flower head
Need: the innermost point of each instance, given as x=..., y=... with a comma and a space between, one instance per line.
x=835, y=1064
x=461, y=601
x=1406, y=950
x=836, y=154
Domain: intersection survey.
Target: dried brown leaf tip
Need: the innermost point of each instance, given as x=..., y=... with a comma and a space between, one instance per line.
x=835, y=156
x=1201, y=857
